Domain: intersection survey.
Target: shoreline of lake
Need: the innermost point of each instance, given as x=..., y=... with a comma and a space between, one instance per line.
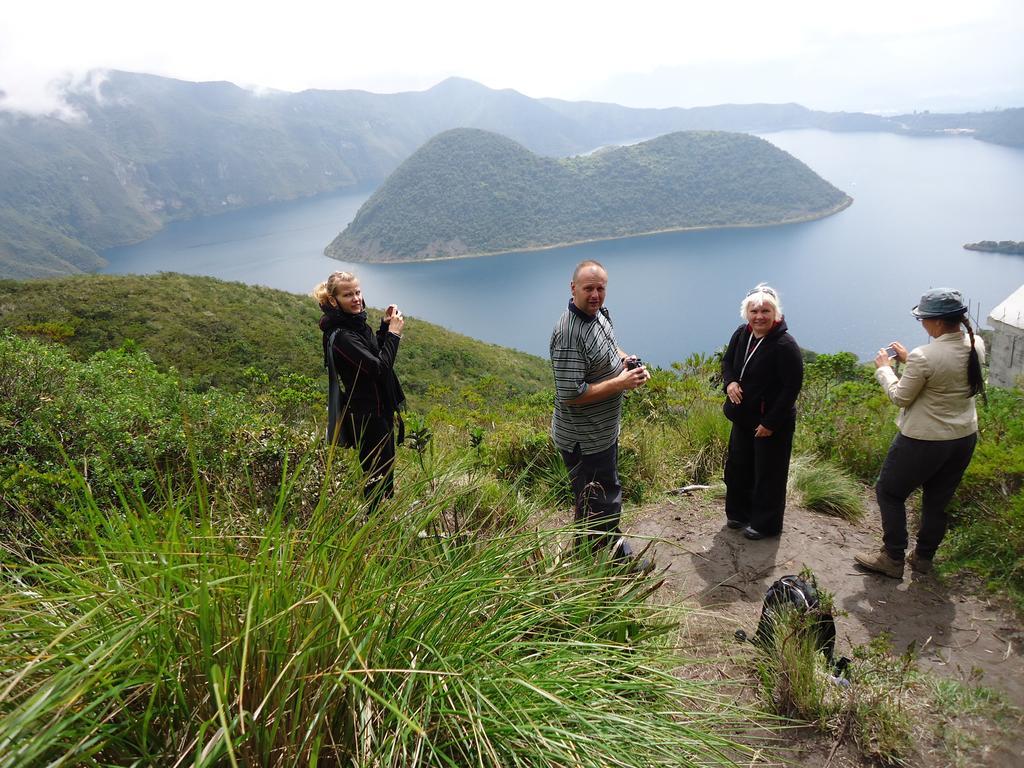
x=571, y=243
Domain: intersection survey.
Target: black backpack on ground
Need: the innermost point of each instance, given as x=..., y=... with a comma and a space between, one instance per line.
x=800, y=595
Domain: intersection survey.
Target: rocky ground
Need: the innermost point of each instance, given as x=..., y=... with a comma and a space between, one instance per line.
x=957, y=631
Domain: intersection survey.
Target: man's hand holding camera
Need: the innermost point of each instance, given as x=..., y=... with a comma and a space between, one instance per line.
x=634, y=374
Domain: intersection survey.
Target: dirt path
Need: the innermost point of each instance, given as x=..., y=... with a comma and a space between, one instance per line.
x=958, y=633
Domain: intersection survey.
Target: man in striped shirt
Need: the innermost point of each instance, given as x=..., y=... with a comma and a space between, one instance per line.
x=591, y=373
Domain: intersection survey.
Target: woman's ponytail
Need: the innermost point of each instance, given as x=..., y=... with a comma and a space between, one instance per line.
x=321, y=293
x=325, y=291
x=975, y=378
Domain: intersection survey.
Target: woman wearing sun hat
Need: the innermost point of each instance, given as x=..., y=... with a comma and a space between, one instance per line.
x=938, y=429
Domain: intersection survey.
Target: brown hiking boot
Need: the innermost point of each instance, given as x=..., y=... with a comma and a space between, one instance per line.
x=918, y=563
x=880, y=562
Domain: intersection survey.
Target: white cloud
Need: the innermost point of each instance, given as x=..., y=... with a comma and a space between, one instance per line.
x=643, y=52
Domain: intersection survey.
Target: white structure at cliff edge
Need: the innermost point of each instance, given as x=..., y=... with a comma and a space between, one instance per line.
x=1006, y=358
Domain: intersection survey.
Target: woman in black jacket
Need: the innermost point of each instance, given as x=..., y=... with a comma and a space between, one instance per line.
x=762, y=372
x=371, y=393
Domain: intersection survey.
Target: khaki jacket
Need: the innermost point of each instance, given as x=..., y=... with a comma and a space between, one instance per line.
x=933, y=394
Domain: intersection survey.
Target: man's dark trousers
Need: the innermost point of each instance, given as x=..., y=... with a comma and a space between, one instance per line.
x=598, y=494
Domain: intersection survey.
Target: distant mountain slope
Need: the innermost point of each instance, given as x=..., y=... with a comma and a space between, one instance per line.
x=1004, y=126
x=471, y=192
x=148, y=150
x=220, y=334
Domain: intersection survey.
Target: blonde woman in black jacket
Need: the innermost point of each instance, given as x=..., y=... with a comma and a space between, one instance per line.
x=365, y=364
x=762, y=373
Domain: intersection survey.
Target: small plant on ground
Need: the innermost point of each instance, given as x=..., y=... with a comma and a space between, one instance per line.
x=794, y=675
x=825, y=488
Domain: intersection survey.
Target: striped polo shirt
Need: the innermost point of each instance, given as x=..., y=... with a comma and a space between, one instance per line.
x=584, y=352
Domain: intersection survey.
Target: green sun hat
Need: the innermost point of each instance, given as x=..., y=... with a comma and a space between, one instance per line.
x=940, y=302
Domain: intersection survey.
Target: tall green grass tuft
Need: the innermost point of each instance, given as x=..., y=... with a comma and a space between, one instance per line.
x=825, y=488
x=330, y=638
x=707, y=440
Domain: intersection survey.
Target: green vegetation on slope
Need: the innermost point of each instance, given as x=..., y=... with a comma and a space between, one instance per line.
x=213, y=591
x=231, y=335
x=206, y=588
x=472, y=192
x=295, y=637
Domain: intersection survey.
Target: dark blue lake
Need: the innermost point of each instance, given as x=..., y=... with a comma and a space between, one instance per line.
x=847, y=282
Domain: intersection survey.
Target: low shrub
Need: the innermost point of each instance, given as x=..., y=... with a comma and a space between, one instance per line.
x=794, y=675
x=525, y=455
x=116, y=419
x=885, y=693
x=825, y=488
x=996, y=471
x=796, y=683
x=485, y=504
x=886, y=707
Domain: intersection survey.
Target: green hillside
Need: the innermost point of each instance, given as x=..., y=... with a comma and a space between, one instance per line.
x=470, y=192
x=231, y=335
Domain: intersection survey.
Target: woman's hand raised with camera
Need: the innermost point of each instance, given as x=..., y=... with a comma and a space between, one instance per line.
x=396, y=322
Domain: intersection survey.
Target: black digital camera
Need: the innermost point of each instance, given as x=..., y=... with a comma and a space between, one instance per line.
x=633, y=362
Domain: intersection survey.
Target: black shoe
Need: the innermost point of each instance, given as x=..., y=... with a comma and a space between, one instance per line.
x=734, y=524
x=751, y=534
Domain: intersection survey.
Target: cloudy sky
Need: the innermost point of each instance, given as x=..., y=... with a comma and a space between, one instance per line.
x=872, y=55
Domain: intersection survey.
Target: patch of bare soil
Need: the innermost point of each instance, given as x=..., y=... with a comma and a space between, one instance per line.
x=957, y=632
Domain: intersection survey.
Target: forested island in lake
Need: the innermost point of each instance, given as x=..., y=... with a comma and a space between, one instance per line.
x=1001, y=246
x=469, y=192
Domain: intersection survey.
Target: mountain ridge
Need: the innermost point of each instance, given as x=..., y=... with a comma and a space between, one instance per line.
x=148, y=150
